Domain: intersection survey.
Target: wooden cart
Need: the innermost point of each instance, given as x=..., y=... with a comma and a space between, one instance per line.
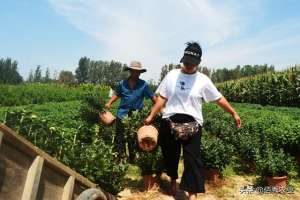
x=28, y=173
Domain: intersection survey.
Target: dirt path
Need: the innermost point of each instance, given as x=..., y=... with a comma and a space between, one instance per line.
x=228, y=189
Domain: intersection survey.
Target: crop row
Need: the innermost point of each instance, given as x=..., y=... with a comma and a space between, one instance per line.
x=266, y=136
x=24, y=94
x=272, y=88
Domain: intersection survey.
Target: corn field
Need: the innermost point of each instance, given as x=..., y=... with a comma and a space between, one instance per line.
x=273, y=88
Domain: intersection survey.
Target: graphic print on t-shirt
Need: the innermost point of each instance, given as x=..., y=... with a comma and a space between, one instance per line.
x=183, y=85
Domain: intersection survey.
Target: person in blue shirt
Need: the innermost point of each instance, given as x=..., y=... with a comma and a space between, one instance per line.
x=132, y=92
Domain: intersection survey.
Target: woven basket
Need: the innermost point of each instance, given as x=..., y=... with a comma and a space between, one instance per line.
x=147, y=137
x=107, y=117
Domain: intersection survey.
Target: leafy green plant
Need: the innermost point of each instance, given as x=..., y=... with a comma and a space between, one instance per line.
x=92, y=104
x=259, y=125
x=272, y=162
x=99, y=163
x=148, y=162
x=37, y=93
x=215, y=153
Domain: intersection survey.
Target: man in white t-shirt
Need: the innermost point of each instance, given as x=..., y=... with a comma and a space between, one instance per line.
x=182, y=92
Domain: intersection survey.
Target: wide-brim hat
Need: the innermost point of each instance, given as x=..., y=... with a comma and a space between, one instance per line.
x=136, y=65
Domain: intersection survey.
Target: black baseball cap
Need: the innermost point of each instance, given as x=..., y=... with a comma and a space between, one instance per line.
x=192, y=54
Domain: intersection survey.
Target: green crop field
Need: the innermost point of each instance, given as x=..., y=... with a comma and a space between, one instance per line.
x=55, y=124
x=272, y=88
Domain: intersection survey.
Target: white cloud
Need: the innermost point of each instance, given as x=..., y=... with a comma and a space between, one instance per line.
x=278, y=44
x=154, y=32
x=150, y=31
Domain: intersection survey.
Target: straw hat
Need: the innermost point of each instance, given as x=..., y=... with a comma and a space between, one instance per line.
x=136, y=65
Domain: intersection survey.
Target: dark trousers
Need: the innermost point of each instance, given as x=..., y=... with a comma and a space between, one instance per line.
x=120, y=142
x=192, y=179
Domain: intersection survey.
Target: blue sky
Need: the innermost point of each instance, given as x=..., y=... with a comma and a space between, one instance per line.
x=56, y=33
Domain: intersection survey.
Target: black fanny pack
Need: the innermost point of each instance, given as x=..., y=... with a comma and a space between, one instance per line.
x=183, y=131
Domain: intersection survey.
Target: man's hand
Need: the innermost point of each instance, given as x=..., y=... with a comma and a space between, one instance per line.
x=237, y=120
x=107, y=106
x=223, y=103
x=160, y=102
x=148, y=120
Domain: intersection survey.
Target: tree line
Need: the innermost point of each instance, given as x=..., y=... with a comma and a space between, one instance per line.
x=110, y=72
x=221, y=75
x=100, y=72
x=88, y=71
x=9, y=72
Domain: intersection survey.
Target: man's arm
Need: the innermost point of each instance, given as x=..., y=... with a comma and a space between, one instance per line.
x=223, y=103
x=160, y=102
x=154, y=99
x=111, y=101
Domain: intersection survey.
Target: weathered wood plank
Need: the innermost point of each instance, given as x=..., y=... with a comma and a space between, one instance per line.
x=26, y=147
x=68, y=189
x=33, y=179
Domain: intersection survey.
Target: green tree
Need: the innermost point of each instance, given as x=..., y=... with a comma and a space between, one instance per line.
x=206, y=71
x=82, y=72
x=9, y=72
x=106, y=73
x=94, y=72
x=166, y=69
x=115, y=68
x=100, y=72
x=66, y=77
x=47, y=78
x=55, y=75
x=37, y=77
x=236, y=72
x=221, y=75
x=30, y=77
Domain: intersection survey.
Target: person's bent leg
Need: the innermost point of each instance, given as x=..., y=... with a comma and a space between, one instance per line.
x=192, y=179
x=171, y=150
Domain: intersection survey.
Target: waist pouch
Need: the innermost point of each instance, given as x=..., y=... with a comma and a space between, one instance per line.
x=184, y=131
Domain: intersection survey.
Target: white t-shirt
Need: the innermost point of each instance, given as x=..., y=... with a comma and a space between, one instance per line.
x=186, y=92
